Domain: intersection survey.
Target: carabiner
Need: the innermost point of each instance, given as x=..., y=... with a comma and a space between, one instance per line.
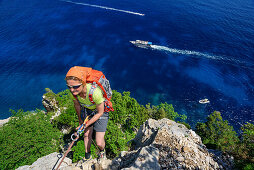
x=79, y=131
x=74, y=135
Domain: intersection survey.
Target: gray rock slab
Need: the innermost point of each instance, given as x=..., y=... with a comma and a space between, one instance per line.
x=48, y=162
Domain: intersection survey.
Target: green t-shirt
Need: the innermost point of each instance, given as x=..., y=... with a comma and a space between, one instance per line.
x=97, y=97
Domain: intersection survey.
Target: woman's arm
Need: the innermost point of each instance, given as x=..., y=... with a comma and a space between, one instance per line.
x=100, y=111
x=78, y=111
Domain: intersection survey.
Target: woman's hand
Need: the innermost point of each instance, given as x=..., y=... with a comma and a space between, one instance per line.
x=77, y=128
x=80, y=122
x=100, y=111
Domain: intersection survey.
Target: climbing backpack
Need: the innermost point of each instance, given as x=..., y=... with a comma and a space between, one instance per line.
x=96, y=78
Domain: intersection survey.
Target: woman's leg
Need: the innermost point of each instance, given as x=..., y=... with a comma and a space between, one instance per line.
x=88, y=138
x=100, y=126
x=100, y=140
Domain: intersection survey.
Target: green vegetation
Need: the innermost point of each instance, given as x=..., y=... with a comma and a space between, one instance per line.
x=245, y=150
x=31, y=135
x=68, y=117
x=216, y=133
x=248, y=139
x=25, y=138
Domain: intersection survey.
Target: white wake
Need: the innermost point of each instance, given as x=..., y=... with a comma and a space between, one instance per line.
x=104, y=7
x=185, y=52
x=223, y=59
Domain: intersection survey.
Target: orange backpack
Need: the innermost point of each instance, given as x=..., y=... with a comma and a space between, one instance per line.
x=96, y=78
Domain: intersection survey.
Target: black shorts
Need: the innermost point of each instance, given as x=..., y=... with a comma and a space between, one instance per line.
x=101, y=124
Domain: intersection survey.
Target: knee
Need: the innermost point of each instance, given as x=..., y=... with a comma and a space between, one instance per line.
x=100, y=143
x=87, y=135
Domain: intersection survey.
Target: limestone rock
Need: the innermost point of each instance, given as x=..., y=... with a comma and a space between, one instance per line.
x=48, y=162
x=178, y=147
x=3, y=121
x=51, y=104
x=147, y=158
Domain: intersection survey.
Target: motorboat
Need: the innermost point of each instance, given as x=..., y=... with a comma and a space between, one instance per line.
x=141, y=43
x=204, y=101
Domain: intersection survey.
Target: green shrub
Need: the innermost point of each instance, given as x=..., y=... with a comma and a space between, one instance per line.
x=79, y=150
x=249, y=166
x=248, y=139
x=217, y=133
x=68, y=116
x=128, y=112
x=169, y=112
x=25, y=138
x=116, y=139
x=164, y=110
x=123, y=122
x=245, y=151
x=185, y=124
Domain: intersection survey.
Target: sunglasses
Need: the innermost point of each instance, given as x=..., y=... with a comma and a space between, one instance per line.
x=74, y=87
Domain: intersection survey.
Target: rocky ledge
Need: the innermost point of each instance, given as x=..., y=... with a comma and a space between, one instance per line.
x=162, y=144
x=3, y=121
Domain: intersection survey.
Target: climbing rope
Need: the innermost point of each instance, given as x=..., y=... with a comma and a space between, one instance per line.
x=80, y=130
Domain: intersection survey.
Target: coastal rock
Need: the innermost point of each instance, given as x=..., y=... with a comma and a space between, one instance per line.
x=51, y=104
x=3, y=121
x=48, y=162
x=144, y=158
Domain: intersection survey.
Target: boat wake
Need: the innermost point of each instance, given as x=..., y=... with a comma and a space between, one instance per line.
x=104, y=7
x=201, y=55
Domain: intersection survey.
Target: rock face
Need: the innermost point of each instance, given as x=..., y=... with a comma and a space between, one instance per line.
x=162, y=144
x=170, y=145
x=48, y=162
x=50, y=104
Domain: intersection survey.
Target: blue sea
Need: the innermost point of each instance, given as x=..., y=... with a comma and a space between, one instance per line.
x=201, y=49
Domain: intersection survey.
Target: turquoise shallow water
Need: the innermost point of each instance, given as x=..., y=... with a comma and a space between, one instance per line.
x=201, y=50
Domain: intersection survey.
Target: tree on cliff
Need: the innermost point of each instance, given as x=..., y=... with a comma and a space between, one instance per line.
x=216, y=133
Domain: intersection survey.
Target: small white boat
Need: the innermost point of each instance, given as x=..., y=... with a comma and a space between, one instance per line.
x=142, y=43
x=204, y=101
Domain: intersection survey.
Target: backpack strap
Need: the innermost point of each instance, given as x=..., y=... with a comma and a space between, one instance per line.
x=91, y=91
x=107, y=104
x=83, y=105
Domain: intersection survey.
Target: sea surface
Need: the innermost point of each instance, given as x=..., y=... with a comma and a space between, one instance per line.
x=201, y=49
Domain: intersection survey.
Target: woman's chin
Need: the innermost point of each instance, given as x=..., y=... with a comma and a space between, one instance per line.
x=75, y=93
